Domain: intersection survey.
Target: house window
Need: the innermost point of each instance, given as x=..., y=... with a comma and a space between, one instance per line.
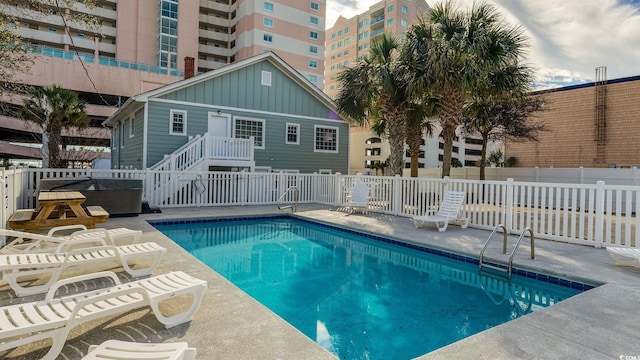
x=404, y=9
x=313, y=49
x=293, y=134
x=267, y=37
x=313, y=64
x=313, y=78
x=333, y=36
x=390, y=9
x=389, y=22
x=315, y=6
x=268, y=6
x=268, y=22
x=403, y=22
x=313, y=35
x=132, y=127
x=245, y=128
x=178, y=122
x=326, y=139
x=314, y=20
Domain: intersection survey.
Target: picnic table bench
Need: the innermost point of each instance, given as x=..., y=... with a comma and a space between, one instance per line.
x=58, y=208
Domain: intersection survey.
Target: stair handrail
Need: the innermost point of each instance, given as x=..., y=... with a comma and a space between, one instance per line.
x=486, y=244
x=182, y=149
x=513, y=252
x=293, y=207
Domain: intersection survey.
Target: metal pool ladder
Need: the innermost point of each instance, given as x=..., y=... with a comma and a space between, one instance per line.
x=293, y=206
x=505, y=267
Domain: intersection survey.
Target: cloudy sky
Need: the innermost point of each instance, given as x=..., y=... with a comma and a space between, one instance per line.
x=568, y=38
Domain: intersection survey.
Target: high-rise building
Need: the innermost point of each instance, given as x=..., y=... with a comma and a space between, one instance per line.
x=144, y=44
x=348, y=40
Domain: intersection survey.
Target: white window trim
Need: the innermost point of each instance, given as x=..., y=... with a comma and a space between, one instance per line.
x=315, y=145
x=317, y=4
x=184, y=123
x=272, y=6
x=264, y=19
x=264, y=129
x=132, y=128
x=310, y=64
x=286, y=134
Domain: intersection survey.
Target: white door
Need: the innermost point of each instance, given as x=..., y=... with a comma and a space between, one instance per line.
x=218, y=125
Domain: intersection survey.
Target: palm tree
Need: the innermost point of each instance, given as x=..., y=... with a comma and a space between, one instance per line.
x=452, y=55
x=418, y=122
x=54, y=108
x=374, y=90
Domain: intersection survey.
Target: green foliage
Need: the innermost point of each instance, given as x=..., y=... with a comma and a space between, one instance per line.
x=495, y=158
x=54, y=109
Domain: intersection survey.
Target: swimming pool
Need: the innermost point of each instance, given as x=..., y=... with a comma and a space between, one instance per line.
x=362, y=296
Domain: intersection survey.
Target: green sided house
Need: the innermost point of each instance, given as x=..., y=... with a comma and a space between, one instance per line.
x=258, y=114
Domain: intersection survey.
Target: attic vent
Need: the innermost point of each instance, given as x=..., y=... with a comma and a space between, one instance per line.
x=266, y=78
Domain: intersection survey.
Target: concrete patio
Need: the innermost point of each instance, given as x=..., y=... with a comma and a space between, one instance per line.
x=601, y=323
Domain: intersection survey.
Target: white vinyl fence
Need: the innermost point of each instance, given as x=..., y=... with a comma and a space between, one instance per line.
x=588, y=214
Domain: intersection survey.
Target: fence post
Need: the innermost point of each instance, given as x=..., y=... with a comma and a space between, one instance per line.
x=581, y=175
x=445, y=184
x=397, y=195
x=536, y=173
x=600, y=198
x=508, y=206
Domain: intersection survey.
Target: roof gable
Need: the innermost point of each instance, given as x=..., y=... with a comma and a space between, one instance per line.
x=228, y=86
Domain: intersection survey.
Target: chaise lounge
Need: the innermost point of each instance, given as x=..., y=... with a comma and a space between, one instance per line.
x=15, y=267
x=450, y=211
x=53, y=318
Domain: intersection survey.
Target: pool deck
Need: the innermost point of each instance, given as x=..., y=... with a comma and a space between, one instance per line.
x=601, y=323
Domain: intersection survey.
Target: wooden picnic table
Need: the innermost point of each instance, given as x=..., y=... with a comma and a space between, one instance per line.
x=58, y=208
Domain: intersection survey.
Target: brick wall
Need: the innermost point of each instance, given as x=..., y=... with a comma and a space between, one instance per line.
x=571, y=120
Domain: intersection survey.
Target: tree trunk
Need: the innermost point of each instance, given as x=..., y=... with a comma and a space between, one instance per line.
x=414, y=139
x=395, y=129
x=45, y=150
x=483, y=156
x=448, y=134
x=55, y=140
x=450, y=112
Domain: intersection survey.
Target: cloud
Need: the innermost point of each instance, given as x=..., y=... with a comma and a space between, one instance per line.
x=569, y=39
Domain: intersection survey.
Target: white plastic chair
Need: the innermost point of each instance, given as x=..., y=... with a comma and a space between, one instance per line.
x=450, y=210
x=112, y=235
x=15, y=267
x=359, y=198
x=124, y=350
x=53, y=318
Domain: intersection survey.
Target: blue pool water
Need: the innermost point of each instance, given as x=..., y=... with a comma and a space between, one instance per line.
x=362, y=297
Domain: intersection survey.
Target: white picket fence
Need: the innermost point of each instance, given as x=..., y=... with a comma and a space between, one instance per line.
x=588, y=214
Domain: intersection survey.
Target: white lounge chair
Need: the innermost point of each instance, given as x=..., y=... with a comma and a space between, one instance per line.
x=53, y=318
x=111, y=235
x=16, y=267
x=24, y=242
x=625, y=256
x=450, y=210
x=124, y=350
x=359, y=198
